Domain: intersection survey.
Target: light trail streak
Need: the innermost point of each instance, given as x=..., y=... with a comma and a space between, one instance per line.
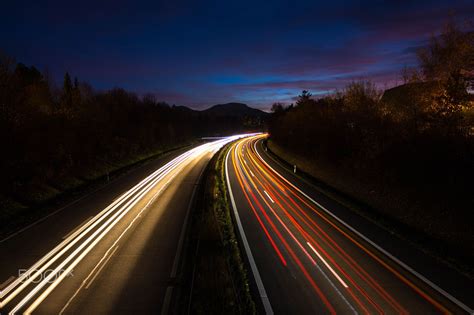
x=69, y=253
x=293, y=255
x=373, y=255
x=73, y=239
x=308, y=236
x=257, y=184
x=367, y=278
x=268, y=196
x=327, y=265
x=85, y=228
x=259, y=219
x=292, y=210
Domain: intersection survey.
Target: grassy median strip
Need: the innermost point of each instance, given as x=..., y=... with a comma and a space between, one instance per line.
x=217, y=278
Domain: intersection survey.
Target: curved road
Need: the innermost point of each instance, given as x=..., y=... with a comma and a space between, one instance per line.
x=110, y=252
x=310, y=255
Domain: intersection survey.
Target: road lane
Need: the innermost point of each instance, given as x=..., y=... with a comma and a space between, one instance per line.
x=310, y=262
x=112, y=254
x=137, y=269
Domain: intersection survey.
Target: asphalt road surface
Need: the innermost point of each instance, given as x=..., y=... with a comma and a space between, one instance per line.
x=311, y=255
x=114, y=251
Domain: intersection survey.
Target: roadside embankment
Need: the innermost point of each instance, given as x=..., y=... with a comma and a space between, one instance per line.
x=44, y=198
x=407, y=214
x=215, y=276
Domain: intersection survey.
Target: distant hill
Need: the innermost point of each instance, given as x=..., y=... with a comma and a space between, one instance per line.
x=233, y=117
x=185, y=109
x=224, y=119
x=235, y=110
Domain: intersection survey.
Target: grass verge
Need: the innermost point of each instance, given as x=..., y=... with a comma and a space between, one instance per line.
x=216, y=276
x=41, y=199
x=342, y=189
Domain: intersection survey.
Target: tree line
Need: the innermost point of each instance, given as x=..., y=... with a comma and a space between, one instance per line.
x=54, y=137
x=412, y=142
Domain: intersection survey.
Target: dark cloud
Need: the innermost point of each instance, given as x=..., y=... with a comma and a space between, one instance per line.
x=199, y=53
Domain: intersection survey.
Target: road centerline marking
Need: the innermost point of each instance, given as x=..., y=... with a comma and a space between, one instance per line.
x=101, y=267
x=253, y=266
x=327, y=265
x=268, y=196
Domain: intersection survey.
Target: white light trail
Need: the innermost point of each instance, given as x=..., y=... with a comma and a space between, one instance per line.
x=327, y=265
x=86, y=237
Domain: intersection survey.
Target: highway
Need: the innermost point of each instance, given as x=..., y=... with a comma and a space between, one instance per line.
x=310, y=255
x=116, y=251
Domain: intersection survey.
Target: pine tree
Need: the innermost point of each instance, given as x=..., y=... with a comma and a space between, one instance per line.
x=67, y=86
x=66, y=98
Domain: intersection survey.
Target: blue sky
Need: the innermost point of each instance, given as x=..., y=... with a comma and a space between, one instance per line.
x=199, y=53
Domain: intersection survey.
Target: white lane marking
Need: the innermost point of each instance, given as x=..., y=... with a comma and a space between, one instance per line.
x=268, y=196
x=115, y=244
x=331, y=282
x=81, y=249
x=115, y=219
x=253, y=266
x=99, y=217
x=327, y=265
x=179, y=251
x=35, y=304
x=386, y=253
x=336, y=289
x=77, y=291
x=73, y=239
x=101, y=267
x=111, y=222
x=83, y=230
x=166, y=169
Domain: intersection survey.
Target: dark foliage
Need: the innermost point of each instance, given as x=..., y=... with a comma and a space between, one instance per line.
x=51, y=136
x=416, y=167
x=408, y=153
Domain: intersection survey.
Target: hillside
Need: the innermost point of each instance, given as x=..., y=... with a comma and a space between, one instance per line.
x=234, y=109
x=225, y=119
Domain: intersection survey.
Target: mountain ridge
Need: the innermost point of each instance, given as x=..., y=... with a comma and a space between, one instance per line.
x=226, y=109
x=234, y=109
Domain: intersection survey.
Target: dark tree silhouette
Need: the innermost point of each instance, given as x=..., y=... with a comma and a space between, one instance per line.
x=55, y=143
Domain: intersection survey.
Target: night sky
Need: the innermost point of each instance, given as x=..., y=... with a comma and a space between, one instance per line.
x=202, y=53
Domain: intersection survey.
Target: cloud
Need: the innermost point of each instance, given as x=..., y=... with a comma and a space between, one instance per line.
x=208, y=52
